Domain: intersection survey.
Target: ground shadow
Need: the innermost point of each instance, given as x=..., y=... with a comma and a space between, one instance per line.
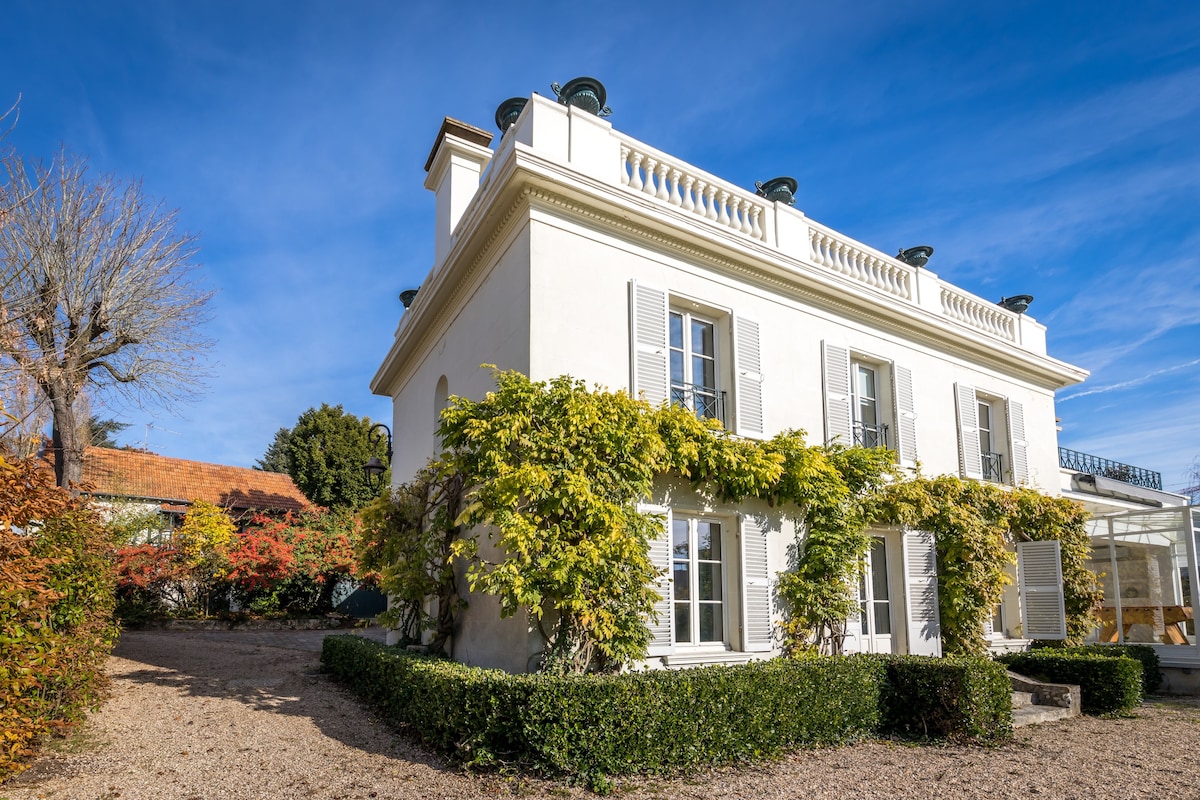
x=277, y=672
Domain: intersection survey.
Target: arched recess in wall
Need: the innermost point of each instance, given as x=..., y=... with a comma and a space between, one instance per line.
x=441, y=398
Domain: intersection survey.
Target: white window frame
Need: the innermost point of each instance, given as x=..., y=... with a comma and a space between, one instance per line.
x=867, y=600
x=688, y=353
x=737, y=355
x=987, y=402
x=1005, y=433
x=883, y=422
x=694, y=602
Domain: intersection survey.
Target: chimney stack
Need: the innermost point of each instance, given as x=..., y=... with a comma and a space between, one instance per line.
x=459, y=156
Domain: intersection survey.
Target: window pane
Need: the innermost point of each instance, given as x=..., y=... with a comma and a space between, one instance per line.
x=866, y=383
x=704, y=371
x=867, y=414
x=710, y=581
x=683, y=622
x=879, y=581
x=712, y=628
x=683, y=581
x=702, y=338
x=985, y=417
x=883, y=618
x=676, y=330
x=708, y=541
x=679, y=537
x=677, y=367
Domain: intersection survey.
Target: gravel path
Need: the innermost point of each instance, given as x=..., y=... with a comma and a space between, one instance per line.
x=234, y=715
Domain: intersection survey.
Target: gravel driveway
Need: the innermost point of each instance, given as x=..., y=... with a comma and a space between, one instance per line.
x=234, y=715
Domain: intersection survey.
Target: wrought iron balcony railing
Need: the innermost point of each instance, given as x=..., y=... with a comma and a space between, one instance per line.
x=706, y=401
x=1094, y=465
x=993, y=467
x=870, y=435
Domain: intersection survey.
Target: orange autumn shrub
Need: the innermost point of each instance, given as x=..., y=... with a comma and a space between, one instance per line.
x=56, y=602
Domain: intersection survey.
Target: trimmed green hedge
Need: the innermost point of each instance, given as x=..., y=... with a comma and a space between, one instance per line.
x=1107, y=684
x=1151, y=666
x=662, y=720
x=963, y=698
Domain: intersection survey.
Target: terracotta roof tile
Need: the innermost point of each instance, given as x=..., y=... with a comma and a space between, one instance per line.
x=133, y=474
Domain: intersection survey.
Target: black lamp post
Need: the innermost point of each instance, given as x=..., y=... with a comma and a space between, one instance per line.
x=374, y=468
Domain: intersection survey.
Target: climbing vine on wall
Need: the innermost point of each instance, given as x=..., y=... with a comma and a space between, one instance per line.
x=553, y=472
x=975, y=526
x=412, y=540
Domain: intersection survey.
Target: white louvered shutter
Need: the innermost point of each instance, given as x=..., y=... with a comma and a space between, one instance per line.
x=920, y=580
x=648, y=358
x=1043, y=610
x=748, y=403
x=836, y=373
x=970, y=461
x=1016, y=442
x=662, y=638
x=906, y=417
x=756, y=587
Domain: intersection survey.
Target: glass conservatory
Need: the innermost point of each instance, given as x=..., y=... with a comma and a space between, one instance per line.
x=1145, y=560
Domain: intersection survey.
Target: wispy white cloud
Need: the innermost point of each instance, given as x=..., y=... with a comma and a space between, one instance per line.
x=1129, y=383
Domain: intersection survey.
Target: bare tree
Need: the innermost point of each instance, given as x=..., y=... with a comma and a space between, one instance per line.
x=26, y=417
x=1193, y=490
x=102, y=294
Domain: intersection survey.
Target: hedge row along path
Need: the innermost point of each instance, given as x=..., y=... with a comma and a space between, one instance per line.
x=241, y=714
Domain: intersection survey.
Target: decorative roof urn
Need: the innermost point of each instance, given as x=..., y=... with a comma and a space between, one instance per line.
x=508, y=111
x=916, y=256
x=1018, y=303
x=585, y=93
x=778, y=190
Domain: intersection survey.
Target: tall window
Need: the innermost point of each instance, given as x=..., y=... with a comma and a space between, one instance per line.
x=698, y=593
x=993, y=469
x=693, y=345
x=875, y=602
x=869, y=430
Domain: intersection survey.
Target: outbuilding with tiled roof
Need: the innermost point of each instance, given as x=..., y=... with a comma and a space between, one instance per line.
x=175, y=483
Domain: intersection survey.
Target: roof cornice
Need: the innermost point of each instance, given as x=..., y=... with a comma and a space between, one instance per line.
x=520, y=177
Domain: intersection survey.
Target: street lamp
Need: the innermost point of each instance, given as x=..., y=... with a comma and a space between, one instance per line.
x=374, y=468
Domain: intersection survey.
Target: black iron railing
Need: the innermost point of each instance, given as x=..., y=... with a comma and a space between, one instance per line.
x=870, y=435
x=706, y=401
x=1094, y=465
x=993, y=466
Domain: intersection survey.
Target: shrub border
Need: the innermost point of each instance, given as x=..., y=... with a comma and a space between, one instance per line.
x=1108, y=683
x=667, y=720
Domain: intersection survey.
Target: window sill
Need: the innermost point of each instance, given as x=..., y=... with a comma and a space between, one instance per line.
x=1001, y=644
x=697, y=658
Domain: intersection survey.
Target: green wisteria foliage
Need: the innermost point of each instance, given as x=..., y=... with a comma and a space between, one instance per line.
x=553, y=473
x=412, y=540
x=976, y=526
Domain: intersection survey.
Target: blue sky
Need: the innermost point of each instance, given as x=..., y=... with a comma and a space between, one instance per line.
x=1043, y=148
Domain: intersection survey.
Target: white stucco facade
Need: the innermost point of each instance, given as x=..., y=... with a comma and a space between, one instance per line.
x=577, y=251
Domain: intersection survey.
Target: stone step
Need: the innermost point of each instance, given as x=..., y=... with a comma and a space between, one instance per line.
x=1035, y=702
x=1036, y=715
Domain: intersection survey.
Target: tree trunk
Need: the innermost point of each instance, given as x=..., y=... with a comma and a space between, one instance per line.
x=68, y=444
